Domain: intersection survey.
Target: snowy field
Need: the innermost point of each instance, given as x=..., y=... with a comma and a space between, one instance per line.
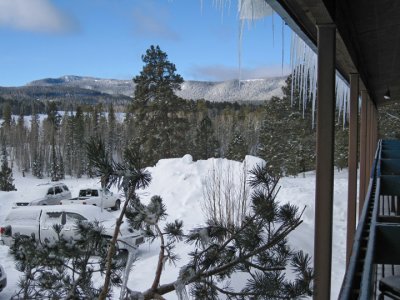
x=180, y=183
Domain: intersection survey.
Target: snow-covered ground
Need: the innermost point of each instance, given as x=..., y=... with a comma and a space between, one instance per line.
x=180, y=183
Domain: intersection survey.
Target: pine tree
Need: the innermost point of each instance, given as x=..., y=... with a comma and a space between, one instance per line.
x=341, y=146
x=129, y=176
x=6, y=124
x=205, y=144
x=34, y=136
x=257, y=246
x=61, y=269
x=287, y=140
x=53, y=121
x=6, y=176
x=54, y=167
x=79, y=133
x=158, y=127
x=237, y=149
x=158, y=79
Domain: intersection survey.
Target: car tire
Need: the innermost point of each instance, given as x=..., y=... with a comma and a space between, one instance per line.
x=117, y=205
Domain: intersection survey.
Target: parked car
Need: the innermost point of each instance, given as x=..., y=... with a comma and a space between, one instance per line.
x=96, y=197
x=3, y=278
x=39, y=220
x=52, y=193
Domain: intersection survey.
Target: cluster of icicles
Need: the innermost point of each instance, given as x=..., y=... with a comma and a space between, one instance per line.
x=303, y=60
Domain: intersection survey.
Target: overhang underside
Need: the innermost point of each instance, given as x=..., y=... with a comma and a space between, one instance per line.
x=367, y=39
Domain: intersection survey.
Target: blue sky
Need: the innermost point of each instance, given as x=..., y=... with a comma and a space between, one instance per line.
x=106, y=38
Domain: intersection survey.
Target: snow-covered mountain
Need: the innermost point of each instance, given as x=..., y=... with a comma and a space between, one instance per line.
x=249, y=90
x=108, y=86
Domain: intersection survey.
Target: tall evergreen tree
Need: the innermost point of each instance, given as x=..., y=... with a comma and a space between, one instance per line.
x=79, y=134
x=158, y=79
x=6, y=176
x=53, y=121
x=205, y=144
x=237, y=149
x=287, y=140
x=34, y=144
x=159, y=129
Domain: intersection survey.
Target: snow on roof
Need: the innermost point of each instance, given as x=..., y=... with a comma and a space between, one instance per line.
x=90, y=212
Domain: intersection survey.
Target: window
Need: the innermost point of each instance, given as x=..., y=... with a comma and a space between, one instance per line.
x=54, y=217
x=58, y=190
x=50, y=191
x=95, y=193
x=73, y=217
x=65, y=188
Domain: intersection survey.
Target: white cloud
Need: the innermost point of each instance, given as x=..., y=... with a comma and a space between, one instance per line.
x=221, y=73
x=34, y=15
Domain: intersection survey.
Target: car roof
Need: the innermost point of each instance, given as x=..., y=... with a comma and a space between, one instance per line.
x=47, y=185
x=90, y=212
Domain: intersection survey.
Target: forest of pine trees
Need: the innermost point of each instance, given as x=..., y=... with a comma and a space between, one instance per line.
x=160, y=125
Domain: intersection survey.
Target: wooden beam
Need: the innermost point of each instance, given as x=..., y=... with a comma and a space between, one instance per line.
x=324, y=170
x=363, y=146
x=352, y=165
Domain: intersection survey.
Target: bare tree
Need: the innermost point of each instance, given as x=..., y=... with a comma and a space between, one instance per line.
x=226, y=194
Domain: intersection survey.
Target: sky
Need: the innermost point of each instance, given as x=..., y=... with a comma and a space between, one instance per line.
x=106, y=39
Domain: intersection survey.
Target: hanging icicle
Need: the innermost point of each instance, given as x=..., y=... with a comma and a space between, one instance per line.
x=304, y=80
x=283, y=44
x=248, y=11
x=303, y=60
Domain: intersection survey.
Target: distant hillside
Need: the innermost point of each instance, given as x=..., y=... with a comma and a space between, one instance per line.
x=60, y=93
x=107, y=86
x=91, y=90
x=249, y=90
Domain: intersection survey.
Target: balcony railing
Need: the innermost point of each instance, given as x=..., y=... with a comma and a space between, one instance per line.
x=374, y=267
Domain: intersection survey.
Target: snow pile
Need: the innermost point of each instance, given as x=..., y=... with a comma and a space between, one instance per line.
x=180, y=183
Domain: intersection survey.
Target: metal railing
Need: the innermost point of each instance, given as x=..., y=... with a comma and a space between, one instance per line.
x=376, y=247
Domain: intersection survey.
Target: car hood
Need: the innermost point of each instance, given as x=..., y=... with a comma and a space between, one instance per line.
x=34, y=202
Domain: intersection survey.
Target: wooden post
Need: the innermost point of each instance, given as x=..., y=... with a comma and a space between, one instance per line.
x=324, y=169
x=363, y=147
x=352, y=166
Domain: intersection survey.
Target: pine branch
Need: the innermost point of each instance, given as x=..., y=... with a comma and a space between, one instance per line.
x=161, y=259
x=112, y=248
x=166, y=288
x=250, y=264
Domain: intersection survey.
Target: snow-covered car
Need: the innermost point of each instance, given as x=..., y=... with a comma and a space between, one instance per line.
x=3, y=278
x=39, y=220
x=52, y=194
x=97, y=197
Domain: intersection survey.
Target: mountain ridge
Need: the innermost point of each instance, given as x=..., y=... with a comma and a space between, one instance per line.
x=216, y=91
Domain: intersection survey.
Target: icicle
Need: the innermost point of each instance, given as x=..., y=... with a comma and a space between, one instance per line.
x=248, y=10
x=129, y=263
x=292, y=41
x=253, y=9
x=283, y=43
x=180, y=289
x=273, y=31
x=241, y=24
x=304, y=79
x=185, y=274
